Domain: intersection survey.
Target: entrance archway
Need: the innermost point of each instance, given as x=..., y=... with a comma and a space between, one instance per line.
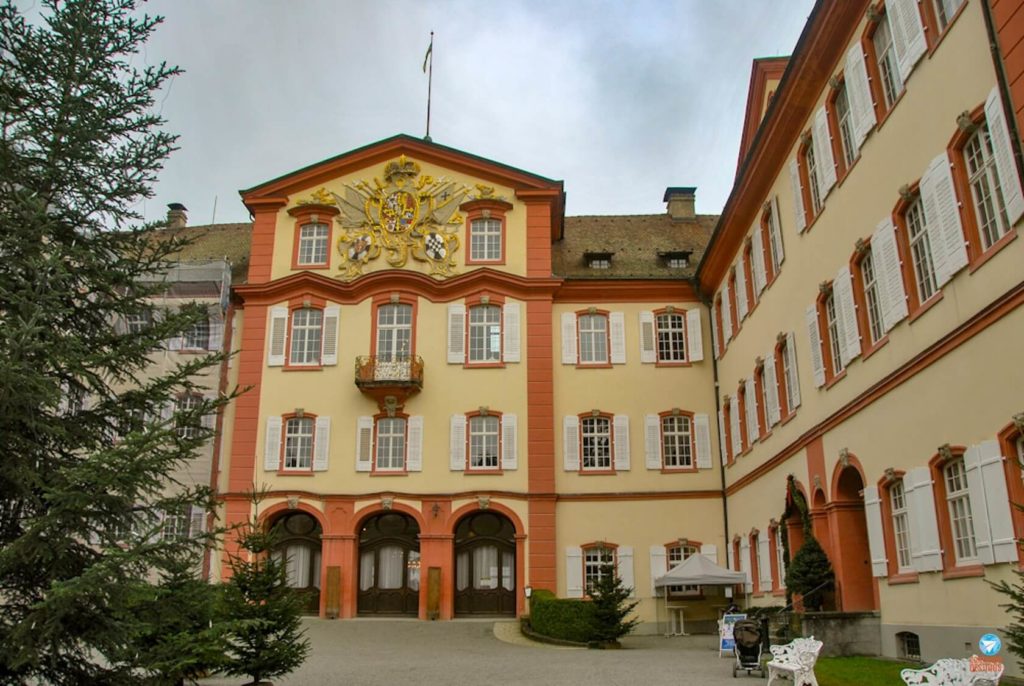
x=389, y=566
x=852, y=559
x=485, y=564
x=299, y=547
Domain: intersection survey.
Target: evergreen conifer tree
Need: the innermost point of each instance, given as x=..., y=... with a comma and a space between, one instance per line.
x=1014, y=633
x=89, y=443
x=810, y=573
x=611, y=607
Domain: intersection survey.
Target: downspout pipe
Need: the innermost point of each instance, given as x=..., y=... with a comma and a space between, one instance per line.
x=1004, y=87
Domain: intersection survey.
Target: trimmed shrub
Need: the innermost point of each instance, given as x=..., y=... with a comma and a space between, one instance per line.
x=561, y=618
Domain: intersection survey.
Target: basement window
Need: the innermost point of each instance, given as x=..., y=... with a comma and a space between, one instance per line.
x=908, y=645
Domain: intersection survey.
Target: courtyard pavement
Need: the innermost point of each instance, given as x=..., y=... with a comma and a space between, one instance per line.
x=386, y=652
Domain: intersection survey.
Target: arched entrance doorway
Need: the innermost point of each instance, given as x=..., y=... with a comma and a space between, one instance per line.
x=852, y=558
x=299, y=547
x=485, y=564
x=389, y=566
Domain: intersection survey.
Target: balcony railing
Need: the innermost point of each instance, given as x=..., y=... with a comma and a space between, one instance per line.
x=373, y=371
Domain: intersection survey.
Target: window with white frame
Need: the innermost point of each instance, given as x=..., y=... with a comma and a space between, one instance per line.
x=187, y=427
x=483, y=442
x=137, y=323
x=920, y=250
x=945, y=10
x=834, y=342
x=900, y=525
x=313, y=240
x=888, y=64
x=871, y=296
x=599, y=263
x=484, y=333
x=394, y=332
x=847, y=138
x=780, y=557
x=593, y=337
x=298, y=443
x=390, y=453
x=960, y=517
x=677, y=554
x=307, y=327
x=596, y=443
x=671, y=329
x=986, y=193
x=811, y=166
x=677, y=441
x=774, y=243
x=198, y=335
x=176, y=524
x=485, y=240
x=789, y=376
x=596, y=563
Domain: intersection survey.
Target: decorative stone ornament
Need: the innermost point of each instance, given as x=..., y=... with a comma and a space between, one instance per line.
x=861, y=246
x=391, y=405
x=965, y=123
x=890, y=475
x=293, y=502
x=484, y=502
x=817, y=481
x=1018, y=421
x=844, y=458
x=387, y=502
x=825, y=288
x=905, y=193
x=780, y=337
x=945, y=452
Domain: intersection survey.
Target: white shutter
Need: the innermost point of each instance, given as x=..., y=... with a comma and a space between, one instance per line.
x=216, y=340
x=624, y=557
x=513, y=337
x=652, y=441
x=730, y=557
x=942, y=220
x=702, y=440
x=568, y=338
x=745, y=563
x=272, y=445
x=775, y=235
x=710, y=551
x=694, y=335
x=997, y=502
x=979, y=510
x=886, y=259
x=332, y=318
x=621, y=429
x=278, y=328
x=364, y=444
x=571, y=443
x=907, y=34
x=858, y=93
x=741, y=291
x=1002, y=150
x=457, y=443
x=196, y=521
x=414, y=459
x=648, y=351
x=925, y=551
x=573, y=572
x=794, y=398
x=617, y=324
x=823, y=153
x=726, y=315
x=757, y=262
x=659, y=566
x=771, y=390
x=876, y=538
x=715, y=346
x=842, y=289
x=509, y=438
x=750, y=394
x=175, y=343
x=764, y=562
x=322, y=444
x=723, y=447
x=734, y=426
x=817, y=361
x=798, y=196
x=456, y=333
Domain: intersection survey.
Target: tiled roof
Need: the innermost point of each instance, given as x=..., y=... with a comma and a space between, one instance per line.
x=636, y=240
x=215, y=242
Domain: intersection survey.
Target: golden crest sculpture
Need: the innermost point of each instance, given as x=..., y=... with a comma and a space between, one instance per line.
x=408, y=214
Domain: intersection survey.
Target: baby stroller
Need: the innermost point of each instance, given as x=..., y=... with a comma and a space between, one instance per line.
x=747, y=637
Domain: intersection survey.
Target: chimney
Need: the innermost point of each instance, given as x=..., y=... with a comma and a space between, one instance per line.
x=681, y=202
x=176, y=217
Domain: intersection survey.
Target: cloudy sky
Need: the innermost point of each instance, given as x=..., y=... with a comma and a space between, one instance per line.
x=618, y=99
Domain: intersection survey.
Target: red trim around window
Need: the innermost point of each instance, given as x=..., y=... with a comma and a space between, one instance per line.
x=658, y=362
x=933, y=34
x=871, y=62
x=688, y=595
x=405, y=448
x=302, y=302
x=762, y=417
x=805, y=181
x=611, y=442
x=393, y=299
x=734, y=315
x=748, y=277
x=831, y=377
x=741, y=407
x=718, y=325
x=313, y=214
x=836, y=142
x=767, y=250
x=755, y=568
x=899, y=218
x=693, y=443
x=485, y=208
x=730, y=458
x=785, y=406
x=469, y=469
x=493, y=300
x=611, y=547
x=773, y=560
x=950, y=568
x=860, y=298
x=300, y=471
x=889, y=532
x=607, y=364
x=1008, y=438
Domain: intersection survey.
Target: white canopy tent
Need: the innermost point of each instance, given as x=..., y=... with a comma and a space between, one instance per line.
x=698, y=570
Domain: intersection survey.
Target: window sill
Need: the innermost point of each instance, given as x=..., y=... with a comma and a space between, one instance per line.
x=295, y=472
x=835, y=379
x=846, y=172
x=779, y=593
x=485, y=263
x=942, y=34
x=964, y=572
x=597, y=472
x=593, y=365
x=874, y=347
x=678, y=470
x=193, y=351
x=483, y=365
x=885, y=116
x=483, y=472
x=925, y=306
x=302, y=368
x=904, y=578
x=1008, y=238
x=673, y=364
x=788, y=418
x=296, y=265
x=395, y=473
x=811, y=221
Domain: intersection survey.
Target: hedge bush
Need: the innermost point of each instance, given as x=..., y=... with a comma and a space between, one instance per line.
x=561, y=618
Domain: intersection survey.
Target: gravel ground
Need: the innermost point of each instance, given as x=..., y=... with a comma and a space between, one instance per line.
x=385, y=652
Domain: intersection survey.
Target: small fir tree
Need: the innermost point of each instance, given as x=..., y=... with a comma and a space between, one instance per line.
x=263, y=615
x=810, y=573
x=611, y=607
x=1015, y=610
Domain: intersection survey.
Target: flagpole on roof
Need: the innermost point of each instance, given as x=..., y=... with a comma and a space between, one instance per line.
x=428, y=66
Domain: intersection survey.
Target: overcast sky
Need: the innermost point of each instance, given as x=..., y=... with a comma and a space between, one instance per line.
x=617, y=99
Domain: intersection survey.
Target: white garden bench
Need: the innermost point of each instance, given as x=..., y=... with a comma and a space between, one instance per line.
x=795, y=661
x=950, y=671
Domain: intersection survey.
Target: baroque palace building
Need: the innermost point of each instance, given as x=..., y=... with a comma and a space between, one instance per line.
x=457, y=392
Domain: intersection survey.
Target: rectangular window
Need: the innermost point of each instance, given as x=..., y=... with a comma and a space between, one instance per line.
x=677, y=441
x=871, y=296
x=888, y=67
x=780, y=557
x=137, y=323
x=920, y=250
x=774, y=243
x=483, y=442
x=187, y=427
x=596, y=563
x=394, y=332
x=485, y=333
x=176, y=524
x=198, y=337
x=900, y=525
x=846, y=135
x=593, y=333
x=944, y=11
x=812, y=178
x=989, y=206
x=391, y=444
x=298, y=443
x=960, y=518
x=313, y=246
x=832, y=320
x=671, y=338
x=677, y=554
x=596, y=437
x=789, y=378
x=485, y=240
x=307, y=325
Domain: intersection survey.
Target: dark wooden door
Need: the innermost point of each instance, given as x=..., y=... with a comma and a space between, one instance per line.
x=389, y=566
x=485, y=563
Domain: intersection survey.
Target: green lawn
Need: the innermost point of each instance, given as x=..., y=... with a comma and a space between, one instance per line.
x=858, y=671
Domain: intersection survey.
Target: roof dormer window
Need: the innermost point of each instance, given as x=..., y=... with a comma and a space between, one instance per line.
x=598, y=260
x=675, y=259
